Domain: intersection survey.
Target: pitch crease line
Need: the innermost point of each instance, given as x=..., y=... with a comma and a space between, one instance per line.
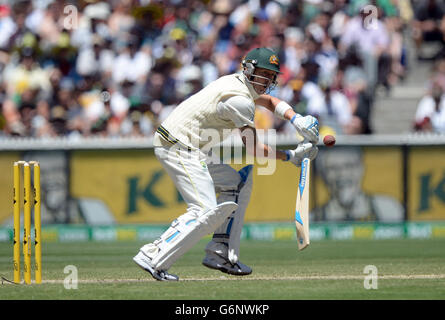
x=300, y=278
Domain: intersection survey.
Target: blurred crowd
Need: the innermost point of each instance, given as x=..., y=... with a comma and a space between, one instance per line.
x=118, y=67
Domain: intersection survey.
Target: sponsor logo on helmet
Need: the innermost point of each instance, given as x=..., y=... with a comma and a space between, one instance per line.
x=274, y=60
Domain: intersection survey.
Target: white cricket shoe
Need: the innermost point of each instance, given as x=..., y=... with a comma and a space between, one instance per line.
x=145, y=263
x=215, y=261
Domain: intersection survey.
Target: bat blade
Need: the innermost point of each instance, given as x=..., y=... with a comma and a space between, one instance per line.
x=302, y=205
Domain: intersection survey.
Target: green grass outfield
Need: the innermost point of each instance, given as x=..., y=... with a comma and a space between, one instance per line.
x=407, y=269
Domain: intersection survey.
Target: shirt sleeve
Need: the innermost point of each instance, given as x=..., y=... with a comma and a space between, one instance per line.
x=238, y=109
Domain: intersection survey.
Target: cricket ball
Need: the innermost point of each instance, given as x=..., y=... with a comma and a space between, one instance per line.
x=329, y=140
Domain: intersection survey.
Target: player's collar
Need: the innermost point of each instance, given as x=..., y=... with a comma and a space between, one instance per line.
x=249, y=86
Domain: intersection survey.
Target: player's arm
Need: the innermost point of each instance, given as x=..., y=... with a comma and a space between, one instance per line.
x=306, y=126
x=256, y=148
x=271, y=104
x=241, y=111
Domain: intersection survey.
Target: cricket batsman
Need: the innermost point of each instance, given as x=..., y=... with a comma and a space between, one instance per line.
x=179, y=144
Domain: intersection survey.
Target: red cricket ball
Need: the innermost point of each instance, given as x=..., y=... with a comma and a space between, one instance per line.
x=329, y=140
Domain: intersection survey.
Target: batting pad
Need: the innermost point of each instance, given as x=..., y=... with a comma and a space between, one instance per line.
x=230, y=231
x=186, y=231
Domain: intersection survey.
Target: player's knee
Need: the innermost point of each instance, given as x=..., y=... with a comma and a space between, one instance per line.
x=214, y=217
x=197, y=209
x=209, y=205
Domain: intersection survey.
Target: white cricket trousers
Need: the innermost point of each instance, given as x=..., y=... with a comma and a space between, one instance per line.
x=191, y=176
x=196, y=182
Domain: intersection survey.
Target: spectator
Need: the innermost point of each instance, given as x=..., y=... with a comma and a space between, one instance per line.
x=132, y=64
x=438, y=75
x=351, y=79
x=95, y=61
x=371, y=44
x=63, y=55
x=92, y=20
x=189, y=80
x=396, y=51
x=311, y=91
x=17, y=30
x=46, y=22
x=121, y=20
x=27, y=75
x=427, y=24
x=293, y=49
x=430, y=114
x=7, y=26
x=335, y=113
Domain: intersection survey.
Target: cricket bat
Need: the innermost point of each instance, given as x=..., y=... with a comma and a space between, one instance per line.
x=302, y=205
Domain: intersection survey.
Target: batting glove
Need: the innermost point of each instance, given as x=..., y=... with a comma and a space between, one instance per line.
x=304, y=150
x=306, y=126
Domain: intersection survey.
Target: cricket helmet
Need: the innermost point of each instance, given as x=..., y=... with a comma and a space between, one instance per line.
x=261, y=58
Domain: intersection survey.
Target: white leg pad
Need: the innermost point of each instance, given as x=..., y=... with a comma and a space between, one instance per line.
x=230, y=230
x=184, y=233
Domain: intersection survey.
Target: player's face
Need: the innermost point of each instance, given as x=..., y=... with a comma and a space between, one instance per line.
x=264, y=79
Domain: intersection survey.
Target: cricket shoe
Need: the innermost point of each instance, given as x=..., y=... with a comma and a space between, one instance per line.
x=215, y=261
x=145, y=263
